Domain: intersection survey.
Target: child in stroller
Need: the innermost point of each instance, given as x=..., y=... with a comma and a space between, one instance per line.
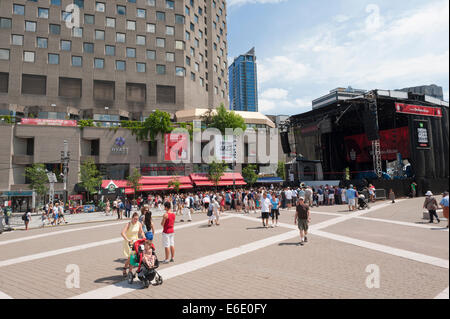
x=363, y=203
x=145, y=259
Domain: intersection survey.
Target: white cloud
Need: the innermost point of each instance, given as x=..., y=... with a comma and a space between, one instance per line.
x=341, y=18
x=388, y=51
x=242, y=2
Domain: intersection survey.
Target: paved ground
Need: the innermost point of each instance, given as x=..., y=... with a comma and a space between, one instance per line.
x=239, y=259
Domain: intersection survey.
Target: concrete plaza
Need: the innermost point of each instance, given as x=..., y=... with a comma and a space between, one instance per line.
x=347, y=254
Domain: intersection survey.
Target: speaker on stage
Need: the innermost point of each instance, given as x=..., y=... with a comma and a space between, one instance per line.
x=370, y=119
x=285, y=142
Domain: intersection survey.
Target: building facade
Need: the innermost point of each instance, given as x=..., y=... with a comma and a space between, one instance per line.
x=336, y=95
x=126, y=58
x=244, y=83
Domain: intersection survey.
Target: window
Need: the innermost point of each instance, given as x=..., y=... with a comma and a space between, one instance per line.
x=99, y=7
x=4, y=54
x=180, y=71
x=187, y=11
x=28, y=56
x=188, y=60
x=200, y=57
x=192, y=76
x=99, y=35
x=170, y=4
x=160, y=16
x=77, y=61
x=179, y=19
x=34, y=84
x=179, y=45
x=77, y=32
x=131, y=25
x=43, y=13
x=165, y=94
x=187, y=36
x=55, y=2
x=42, y=43
x=197, y=43
x=99, y=63
x=160, y=69
x=121, y=10
x=54, y=29
x=200, y=34
x=200, y=11
x=216, y=90
x=131, y=53
x=141, y=13
x=65, y=45
x=192, y=27
x=30, y=26
x=151, y=3
x=120, y=37
x=151, y=28
x=170, y=57
x=170, y=30
x=120, y=65
x=161, y=43
x=104, y=90
x=66, y=16
x=151, y=55
x=88, y=47
x=140, y=67
x=192, y=52
x=202, y=82
x=153, y=148
x=136, y=92
x=19, y=9
x=195, y=18
x=111, y=22
x=5, y=23
x=53, y=58
x=197, y=67
x=79, y=3
x=110, y=50
x=140, y=40
x=17, y=39
x=89, y=19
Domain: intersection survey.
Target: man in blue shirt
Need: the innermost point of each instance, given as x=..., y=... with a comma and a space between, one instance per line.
x=444, y=205
x=351, y=198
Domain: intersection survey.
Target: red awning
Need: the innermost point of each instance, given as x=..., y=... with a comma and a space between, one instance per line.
x=225, y=180
x=118, y=183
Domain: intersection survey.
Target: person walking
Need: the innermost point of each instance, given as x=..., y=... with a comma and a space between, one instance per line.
x=302, y=218
x=186, y=210
x=26, y=217
x=168, y=233
x=444, y=205
x=275, y=211
x=413, y=189
x=108, y=208
x=148, y=227
x=392, y=195
x=216, y=213
x=351, y=198
x=431, y=205
x=265, y=209
x=131, y=233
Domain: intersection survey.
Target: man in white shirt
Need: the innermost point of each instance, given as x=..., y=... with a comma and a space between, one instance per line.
x=187, y=210
x=289, y=198
x=266, y=206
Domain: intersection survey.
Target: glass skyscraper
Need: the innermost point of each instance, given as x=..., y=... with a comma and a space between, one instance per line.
x=243, y=83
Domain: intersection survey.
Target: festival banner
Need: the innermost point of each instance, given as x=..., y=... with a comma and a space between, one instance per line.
x=418, y=110
x=176, y=146
x=359, y=148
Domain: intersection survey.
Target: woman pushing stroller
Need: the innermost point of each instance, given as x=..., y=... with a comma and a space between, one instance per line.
x=131, y=232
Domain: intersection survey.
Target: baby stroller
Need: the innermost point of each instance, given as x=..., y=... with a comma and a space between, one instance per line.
x=363, y=203
x=144, y=273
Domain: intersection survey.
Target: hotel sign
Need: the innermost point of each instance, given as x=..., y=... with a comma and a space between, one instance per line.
x=119, y=146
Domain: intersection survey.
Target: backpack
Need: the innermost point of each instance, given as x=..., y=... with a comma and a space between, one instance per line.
x=24, y=217
x=210, y=210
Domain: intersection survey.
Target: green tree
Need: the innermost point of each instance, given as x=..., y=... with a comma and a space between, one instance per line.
x=175, y=183
x=249, y=174
x=133, y=181
x=90, y=177
x=281, y=170
x=157, y=123
x=216, y=171
x=225, y=119
x=38, y=178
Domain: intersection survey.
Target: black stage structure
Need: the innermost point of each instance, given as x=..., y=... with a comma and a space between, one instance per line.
x=404, y=127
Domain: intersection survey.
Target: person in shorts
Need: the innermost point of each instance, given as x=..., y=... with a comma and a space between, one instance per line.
x=302, y=217
x=265, y=209
x=168, y=233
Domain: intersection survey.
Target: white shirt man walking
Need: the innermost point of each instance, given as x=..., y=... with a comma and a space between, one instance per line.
x=266, y=206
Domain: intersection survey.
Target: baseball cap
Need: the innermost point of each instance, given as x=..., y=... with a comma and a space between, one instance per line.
x=429, y=193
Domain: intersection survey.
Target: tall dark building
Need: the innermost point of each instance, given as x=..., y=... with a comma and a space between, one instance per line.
x=431, y=90
x=244, y=83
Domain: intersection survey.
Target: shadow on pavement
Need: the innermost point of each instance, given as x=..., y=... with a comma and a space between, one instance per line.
x=288, y=244
x=110, y=280
x=120, y=260
x=260, y=227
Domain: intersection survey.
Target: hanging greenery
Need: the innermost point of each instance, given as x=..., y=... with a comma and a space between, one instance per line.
x=157, y=123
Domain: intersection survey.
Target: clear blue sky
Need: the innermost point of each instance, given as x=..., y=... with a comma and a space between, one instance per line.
x=305, y=48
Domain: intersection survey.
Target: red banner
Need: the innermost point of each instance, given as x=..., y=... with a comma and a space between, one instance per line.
x=418, y=110
x=359, y=148
x=49, y=122
x=175, y=147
